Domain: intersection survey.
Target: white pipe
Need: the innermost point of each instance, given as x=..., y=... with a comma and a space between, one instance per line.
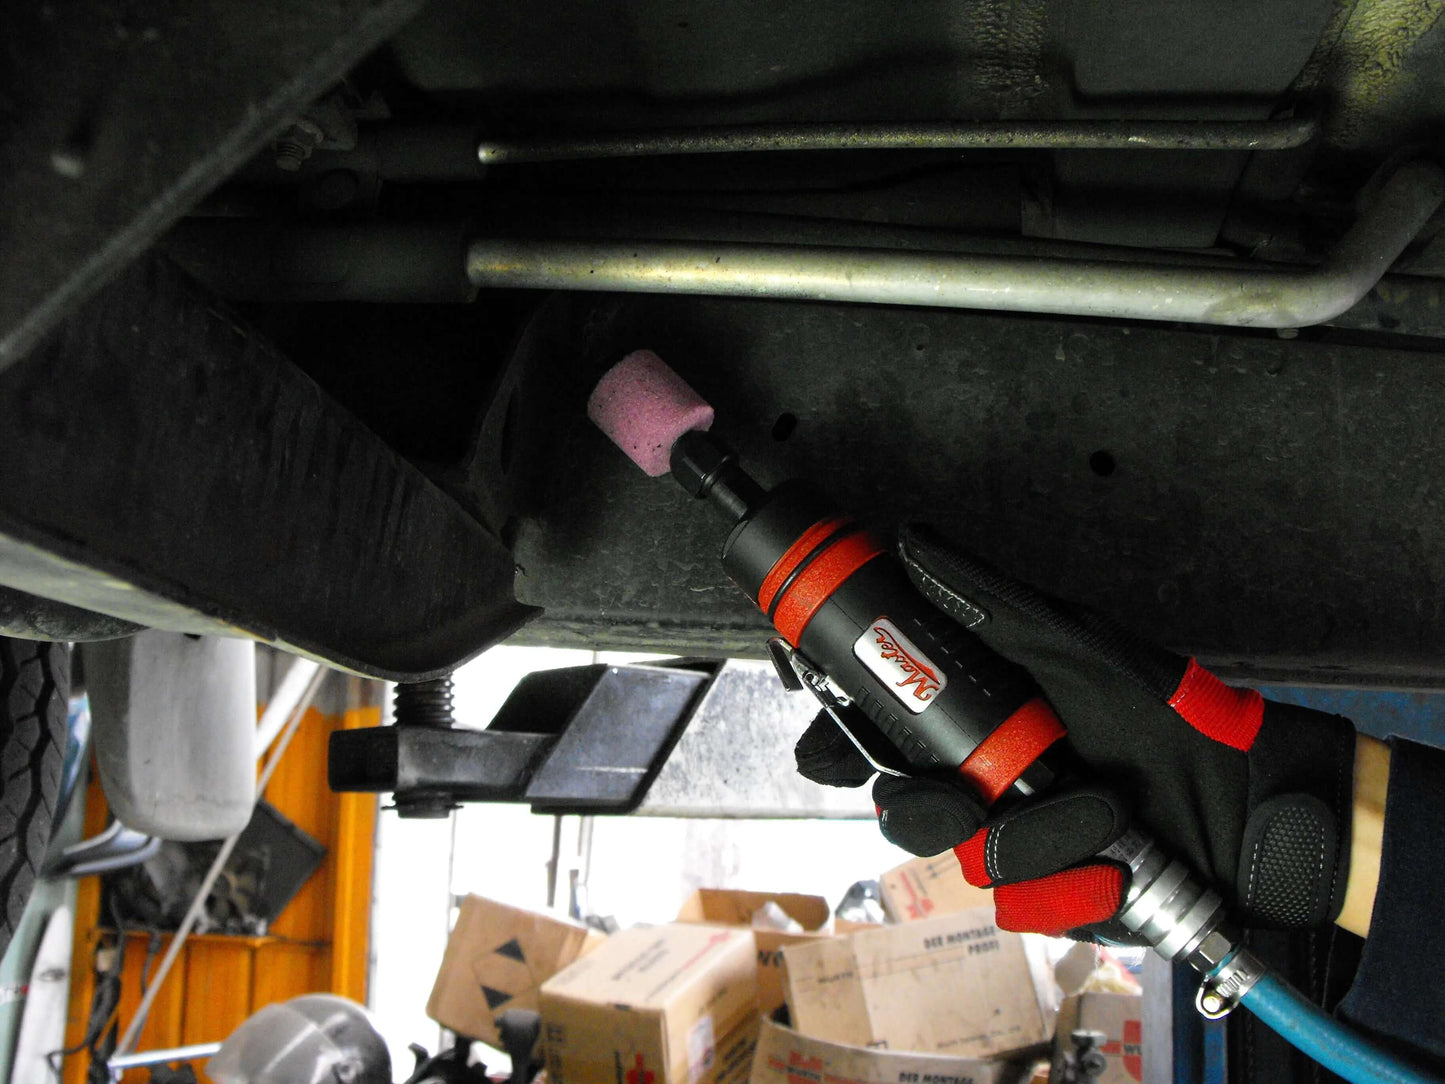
x=121, y=1063
x=283, y=702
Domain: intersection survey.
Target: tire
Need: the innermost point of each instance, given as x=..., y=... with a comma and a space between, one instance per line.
x=34, y=694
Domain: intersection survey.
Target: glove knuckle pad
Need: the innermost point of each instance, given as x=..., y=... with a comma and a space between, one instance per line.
x=1286, y=862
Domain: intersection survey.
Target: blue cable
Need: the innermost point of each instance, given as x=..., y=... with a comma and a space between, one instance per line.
x=1338, y=1048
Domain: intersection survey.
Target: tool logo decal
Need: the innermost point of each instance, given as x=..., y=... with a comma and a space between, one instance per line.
x=894, y=660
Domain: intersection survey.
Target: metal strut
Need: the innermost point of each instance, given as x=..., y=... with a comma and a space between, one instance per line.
x=1252, y=295
x=969, y=135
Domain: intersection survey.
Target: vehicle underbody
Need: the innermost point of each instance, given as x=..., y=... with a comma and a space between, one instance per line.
x=1143, y=302
x=1139, y=301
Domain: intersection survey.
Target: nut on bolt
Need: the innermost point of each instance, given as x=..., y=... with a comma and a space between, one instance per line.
x=295, y=144
x=1212, y=951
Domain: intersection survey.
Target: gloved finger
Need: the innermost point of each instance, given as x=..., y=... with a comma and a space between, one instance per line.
x=925, y=816
x=1043, y=836
x=824, y=754
x=1031, y=628
x=1061, y=902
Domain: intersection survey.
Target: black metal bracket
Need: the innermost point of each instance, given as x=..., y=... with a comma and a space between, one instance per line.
x=584, y=739
x=162, y=463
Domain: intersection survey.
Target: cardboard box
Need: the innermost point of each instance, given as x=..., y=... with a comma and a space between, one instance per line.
x=662, y=1005
x=955, y=985
x=1118, y=1016
x=925, y=887
x=495, y=960
x=786, y=1057
x=735, y=907
x=843, y=926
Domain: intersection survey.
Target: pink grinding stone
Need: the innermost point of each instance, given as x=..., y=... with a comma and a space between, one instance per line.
x=643, y=407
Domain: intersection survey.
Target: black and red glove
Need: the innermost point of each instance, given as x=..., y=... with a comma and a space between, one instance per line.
x=1254, y=795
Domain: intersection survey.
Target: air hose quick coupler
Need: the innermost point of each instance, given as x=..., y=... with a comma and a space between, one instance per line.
x=1181, y=919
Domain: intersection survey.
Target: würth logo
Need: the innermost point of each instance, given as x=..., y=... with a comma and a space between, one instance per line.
x=1132, y=1049
x=896, y=661
x=640, y=1073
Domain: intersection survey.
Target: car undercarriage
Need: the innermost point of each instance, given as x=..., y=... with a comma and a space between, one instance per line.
x=300, y=307
x=299, y=313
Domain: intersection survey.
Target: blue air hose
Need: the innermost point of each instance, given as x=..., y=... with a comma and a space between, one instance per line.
x=1339, y=1048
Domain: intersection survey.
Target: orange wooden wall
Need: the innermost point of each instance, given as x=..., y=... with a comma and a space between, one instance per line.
x=318, y=944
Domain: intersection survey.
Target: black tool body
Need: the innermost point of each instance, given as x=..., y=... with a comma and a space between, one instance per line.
x=946, y=702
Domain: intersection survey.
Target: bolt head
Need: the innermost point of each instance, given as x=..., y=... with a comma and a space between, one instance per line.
x=1212, y=951
x=68, y=163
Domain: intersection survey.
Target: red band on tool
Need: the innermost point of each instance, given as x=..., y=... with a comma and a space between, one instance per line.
x=807, y=542
x=1230, y=716
x=816, y=583
x=971, y=859
x=1060, y=902
x=1015, y=744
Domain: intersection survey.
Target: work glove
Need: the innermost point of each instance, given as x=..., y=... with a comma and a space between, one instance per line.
x=1254, y=795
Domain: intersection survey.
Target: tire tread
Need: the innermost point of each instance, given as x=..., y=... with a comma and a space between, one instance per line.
x=34, y=694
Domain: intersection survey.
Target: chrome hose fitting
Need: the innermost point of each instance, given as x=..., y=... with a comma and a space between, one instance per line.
x=1181, y=919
